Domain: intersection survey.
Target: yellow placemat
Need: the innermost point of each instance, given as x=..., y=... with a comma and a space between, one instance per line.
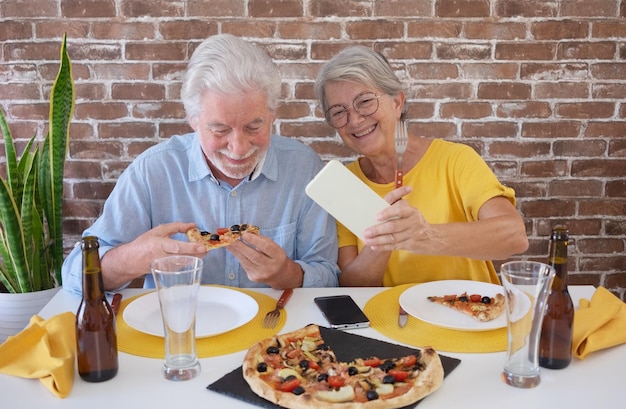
x=135, y=342
x=382, y=310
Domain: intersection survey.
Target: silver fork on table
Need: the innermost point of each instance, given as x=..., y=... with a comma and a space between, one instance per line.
x=401, y=140
x=271, y=318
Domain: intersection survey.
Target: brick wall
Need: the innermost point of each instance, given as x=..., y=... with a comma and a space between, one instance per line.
x=537, y=87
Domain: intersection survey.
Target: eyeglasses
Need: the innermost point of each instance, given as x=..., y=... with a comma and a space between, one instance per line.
x=365, y=104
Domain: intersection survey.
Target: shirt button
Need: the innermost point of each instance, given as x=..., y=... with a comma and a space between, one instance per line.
x=233, y=193
x=231, y=276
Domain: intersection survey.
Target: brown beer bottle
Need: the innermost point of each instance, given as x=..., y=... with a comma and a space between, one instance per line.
x=96, y=338
x=555, y=344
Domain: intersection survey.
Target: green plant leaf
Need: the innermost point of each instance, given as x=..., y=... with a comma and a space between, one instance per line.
x=53, y=156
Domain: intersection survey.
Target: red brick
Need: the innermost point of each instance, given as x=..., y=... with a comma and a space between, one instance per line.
x=588, y=8
x=317, y=30
x=494, y=129
x=114, y=130
x=560, y=129
x=97, y=150
x=598, y=167
x=348, y=8
x=159, y=109
x=152, y=8
x=87, y=8
x=609, y=91
x=548, y=208
x=561, y=90
x=518, y=149
x=616, y=188
x=586, y=51
x=609, y=28
x=559, y=30
x=404, y=8
x=20, y=91
x=155, y=51
x=404, y=50
x=579, y=148
x=585, y=110
x=602, y=207
x=525, y=109
x=463, y=51
x=495, y=30
x=107, y=111
x=615, y=71
x=137, y=91
x=504, y=90
x=528, y=8
x=611, y=129
x=374, y=29
x=275, y=8
x=441, y=90
x=187, y=29
x=545, y=169
x=525, y=51
x=489, y=71
x=215, y=8
x=472, y=110
x=92, y=190
x=553, y=72
x=29, y=8
x=575, y=188
x=433, y=71
x=462, y=8
x=250, y=28
x=14, y=30
x=428, y=28
x=443, y=130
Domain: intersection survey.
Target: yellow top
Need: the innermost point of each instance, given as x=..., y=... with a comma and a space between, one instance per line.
x=450, y=184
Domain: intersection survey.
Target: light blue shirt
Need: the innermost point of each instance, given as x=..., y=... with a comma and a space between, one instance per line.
x=172, y=182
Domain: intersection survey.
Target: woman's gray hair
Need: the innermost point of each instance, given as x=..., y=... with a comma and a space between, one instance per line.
x=229, y=65
x=361, y=65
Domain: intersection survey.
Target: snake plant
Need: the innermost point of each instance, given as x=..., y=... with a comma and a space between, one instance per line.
x=31, y=196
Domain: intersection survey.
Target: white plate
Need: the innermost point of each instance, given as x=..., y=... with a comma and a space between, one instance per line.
x=219, y=310
x=414, y=301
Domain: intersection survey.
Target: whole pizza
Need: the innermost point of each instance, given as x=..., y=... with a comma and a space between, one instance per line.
x=299, y=370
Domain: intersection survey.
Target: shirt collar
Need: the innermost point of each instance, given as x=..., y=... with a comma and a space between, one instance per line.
x=199, y=169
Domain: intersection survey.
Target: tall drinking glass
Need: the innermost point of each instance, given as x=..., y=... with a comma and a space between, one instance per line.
x=526, y=285
x=177, y=281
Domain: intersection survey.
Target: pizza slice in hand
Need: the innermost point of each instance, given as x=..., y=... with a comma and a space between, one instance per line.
x=224, y=236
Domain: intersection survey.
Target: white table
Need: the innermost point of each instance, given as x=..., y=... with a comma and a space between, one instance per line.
x=598, y=380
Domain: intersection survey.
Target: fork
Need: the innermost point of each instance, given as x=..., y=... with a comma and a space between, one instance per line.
x=401, y=140
x=271, y=318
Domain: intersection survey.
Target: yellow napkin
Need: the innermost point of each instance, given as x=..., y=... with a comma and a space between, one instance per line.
x=599, y=323
x=44, y=350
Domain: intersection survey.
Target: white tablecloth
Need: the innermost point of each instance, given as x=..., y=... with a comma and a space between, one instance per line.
x=597, y=381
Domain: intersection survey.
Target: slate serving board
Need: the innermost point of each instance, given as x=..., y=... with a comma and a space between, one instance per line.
x=346, y=346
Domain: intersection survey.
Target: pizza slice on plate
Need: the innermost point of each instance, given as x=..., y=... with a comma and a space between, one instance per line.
x=481, y=308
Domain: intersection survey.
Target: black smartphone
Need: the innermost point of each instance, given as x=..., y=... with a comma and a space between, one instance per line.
x=342, y=312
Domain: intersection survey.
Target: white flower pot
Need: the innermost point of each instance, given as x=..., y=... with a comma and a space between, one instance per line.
x=16, y=310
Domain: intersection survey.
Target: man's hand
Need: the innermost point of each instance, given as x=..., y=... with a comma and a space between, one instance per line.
x=266, y=262
x=131, y=260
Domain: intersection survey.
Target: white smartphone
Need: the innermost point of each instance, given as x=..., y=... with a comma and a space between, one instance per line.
x=342, y=312
x=345, y=197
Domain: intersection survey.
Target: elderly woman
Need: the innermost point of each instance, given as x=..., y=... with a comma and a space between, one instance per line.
x=450, y=218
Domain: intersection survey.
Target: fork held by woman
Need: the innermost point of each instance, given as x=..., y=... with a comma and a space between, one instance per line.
x=401, y=141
